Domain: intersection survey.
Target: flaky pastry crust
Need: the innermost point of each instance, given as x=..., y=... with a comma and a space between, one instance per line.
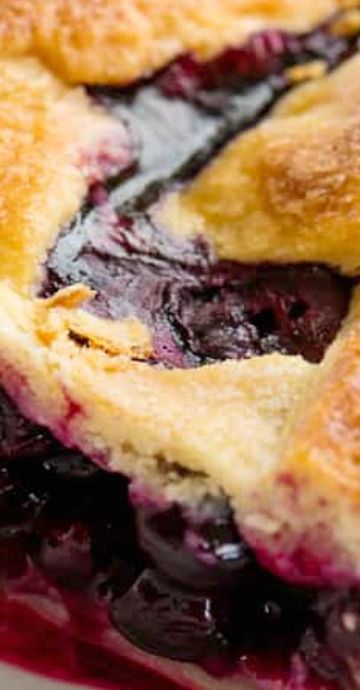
x=50, y=135
x=112, y=42
x=289, y=190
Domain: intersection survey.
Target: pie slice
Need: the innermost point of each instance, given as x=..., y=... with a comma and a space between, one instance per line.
x=179, y=321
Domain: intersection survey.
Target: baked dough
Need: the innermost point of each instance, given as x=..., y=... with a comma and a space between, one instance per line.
x=118, y=42
x=50, y=137
x=289, y=190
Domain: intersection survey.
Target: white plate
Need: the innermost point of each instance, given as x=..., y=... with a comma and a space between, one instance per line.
x=13, y=679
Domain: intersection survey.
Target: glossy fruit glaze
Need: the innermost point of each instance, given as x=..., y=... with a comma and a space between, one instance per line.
x=176, y=583
x=75, y=576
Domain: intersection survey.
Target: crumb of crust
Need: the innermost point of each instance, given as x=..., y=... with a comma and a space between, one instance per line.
x=301, y=73
x=69, y=297
x=57, y=318
x=347, y=24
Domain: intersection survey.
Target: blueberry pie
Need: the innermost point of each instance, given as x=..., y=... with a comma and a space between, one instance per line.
x=180, y=342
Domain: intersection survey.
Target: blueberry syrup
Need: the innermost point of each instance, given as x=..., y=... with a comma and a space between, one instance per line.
x=74, y=572
x=38, y=646
x=81, y=559
x=264, y=54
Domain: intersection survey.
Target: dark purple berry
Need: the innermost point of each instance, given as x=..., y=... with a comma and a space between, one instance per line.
x=339, y=619
x=170, y=622
x=18, y=512
x=69, y=466
x=200, y=548
x=65, y=553
x=19, y=438
x=331, y=643
x=318, y=658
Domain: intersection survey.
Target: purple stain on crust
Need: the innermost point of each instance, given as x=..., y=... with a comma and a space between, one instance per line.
x=304, y=565
x=295, y=555
x=62, y=425
x=144, y=496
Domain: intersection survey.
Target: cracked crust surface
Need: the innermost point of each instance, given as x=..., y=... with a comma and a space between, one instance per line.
x=112, y=42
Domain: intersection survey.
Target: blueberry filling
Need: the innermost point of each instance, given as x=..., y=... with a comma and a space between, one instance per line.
x=200, y=549
x=199, y=311
x=175, y=581
x=18, y=437
x=330, y=645
x=196, y=574
x=176, y=623
x=294, y=310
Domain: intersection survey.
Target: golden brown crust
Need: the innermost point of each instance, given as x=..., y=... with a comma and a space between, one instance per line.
x=46, y=132
x=117, y=42
x=289, y=190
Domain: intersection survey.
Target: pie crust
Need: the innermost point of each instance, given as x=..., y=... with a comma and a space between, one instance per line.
x=107, y=42
x=50, y=136
x=288, y=190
